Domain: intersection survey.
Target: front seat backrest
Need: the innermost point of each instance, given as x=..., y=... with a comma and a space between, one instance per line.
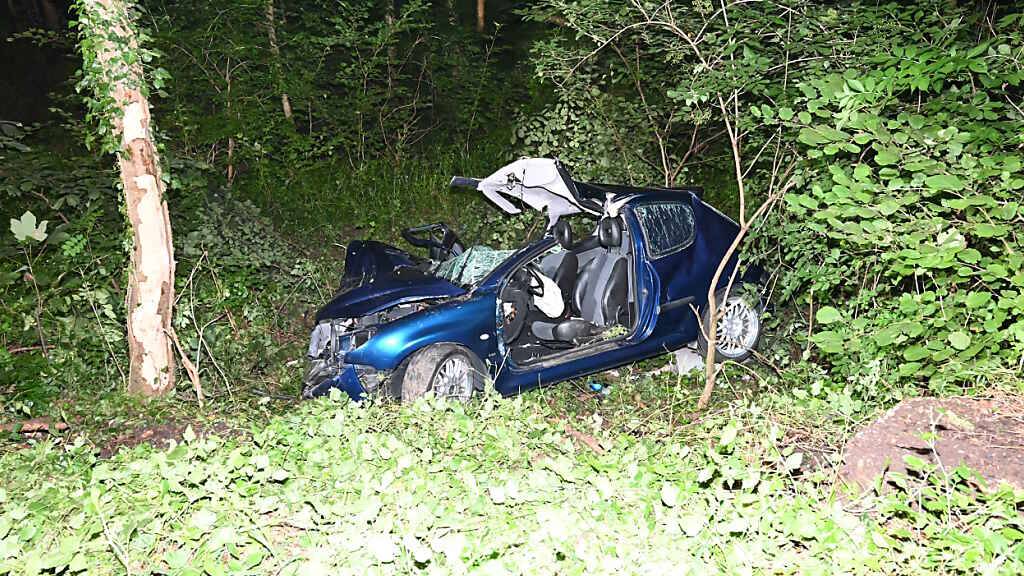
x=565, y=276
x=614, y=301
x=603, y=289
x=588, y=285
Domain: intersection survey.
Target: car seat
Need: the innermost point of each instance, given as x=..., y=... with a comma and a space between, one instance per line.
x=600, y=294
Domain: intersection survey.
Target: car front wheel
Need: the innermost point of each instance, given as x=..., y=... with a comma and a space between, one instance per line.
x=449, y=370
x=739, y=326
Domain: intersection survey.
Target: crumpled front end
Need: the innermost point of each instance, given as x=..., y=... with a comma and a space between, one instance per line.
x=331, y=342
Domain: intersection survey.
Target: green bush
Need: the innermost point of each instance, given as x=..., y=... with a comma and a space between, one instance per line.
x=900, y=125
x=907, y=227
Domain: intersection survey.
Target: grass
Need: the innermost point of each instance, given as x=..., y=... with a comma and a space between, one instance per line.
x=334, y=202
x=497, y=487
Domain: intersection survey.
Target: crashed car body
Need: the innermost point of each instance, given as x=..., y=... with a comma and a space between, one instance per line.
x=634, y=287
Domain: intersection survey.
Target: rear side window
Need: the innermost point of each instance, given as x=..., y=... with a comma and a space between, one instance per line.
x=667, y=227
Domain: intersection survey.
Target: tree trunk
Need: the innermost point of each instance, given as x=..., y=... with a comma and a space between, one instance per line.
x=481, y=21
x=151, y=279
x=275, y=51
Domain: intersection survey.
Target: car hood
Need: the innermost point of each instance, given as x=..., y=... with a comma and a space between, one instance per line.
x=383, y=293
x=379, y=276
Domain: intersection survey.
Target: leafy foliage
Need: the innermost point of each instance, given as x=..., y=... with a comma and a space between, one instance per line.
x=902, y=129
x=129, y=65
x=495, y=487
x=913, y=184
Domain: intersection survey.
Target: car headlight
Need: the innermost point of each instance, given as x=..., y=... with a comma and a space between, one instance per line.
x=361, y=337
x=334, y=338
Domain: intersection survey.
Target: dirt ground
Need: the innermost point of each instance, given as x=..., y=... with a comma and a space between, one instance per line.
x=161, y=435
x=987, y=435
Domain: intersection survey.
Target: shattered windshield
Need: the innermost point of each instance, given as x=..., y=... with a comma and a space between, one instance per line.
x=471, y=266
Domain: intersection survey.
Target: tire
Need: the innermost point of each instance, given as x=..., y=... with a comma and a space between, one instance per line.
x=739, y=327
x=449, y=370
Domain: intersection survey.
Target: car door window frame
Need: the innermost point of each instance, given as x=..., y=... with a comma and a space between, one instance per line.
x=645, y=222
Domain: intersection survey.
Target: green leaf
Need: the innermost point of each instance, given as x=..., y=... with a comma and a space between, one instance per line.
x=794, y=461
x=669, y=494
x=915, y=353
x=886, y=157
x=984, y=230
x=728, y=434
x=827, y=315
x=821, y=134
x=203, y=520
x=969, y=255
x=943, y=182
x=978, y=299
x=829, y=341
x=914, y=462
x=960, y=339
x=25, y=228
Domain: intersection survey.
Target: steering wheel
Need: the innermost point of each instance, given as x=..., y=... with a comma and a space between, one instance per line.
x=440, y=241
x=515, y=300
x=528, y=280
x=515, y=304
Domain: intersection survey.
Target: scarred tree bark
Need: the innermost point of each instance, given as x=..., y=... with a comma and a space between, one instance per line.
x=151, y=278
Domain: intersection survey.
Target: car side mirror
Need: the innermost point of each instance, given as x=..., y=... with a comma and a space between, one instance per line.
x=563, y=234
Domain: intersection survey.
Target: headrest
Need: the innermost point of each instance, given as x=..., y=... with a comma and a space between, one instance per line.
x=563, y=234
x=609, y=232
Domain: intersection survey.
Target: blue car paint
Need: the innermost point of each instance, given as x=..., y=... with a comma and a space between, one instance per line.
x=473, y=319
x=688, y=272
x=347, y=381
x=384, y=292
x=364, y=259
x=465, y=321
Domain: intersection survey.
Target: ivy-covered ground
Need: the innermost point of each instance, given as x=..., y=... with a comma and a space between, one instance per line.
x=520, y=486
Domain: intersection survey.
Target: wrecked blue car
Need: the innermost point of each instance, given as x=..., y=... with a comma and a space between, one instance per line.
x=632, y=286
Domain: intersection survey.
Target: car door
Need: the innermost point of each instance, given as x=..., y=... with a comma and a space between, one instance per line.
x=672, y=248
x=597, y=357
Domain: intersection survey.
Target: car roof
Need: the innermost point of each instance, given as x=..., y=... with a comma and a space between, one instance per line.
x=599, y=191
x=545, y=184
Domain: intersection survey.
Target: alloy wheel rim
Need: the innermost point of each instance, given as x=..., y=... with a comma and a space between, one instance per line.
x=737, y=328
x=454, y=379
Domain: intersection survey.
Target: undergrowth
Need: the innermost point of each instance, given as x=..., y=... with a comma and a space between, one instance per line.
x=496, y=487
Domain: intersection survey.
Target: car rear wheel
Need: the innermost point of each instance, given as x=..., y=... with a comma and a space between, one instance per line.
x=449, y=370
x=739, y=326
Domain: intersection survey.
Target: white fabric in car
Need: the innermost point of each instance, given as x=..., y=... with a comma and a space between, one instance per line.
x=549, y=301
x=537, y=183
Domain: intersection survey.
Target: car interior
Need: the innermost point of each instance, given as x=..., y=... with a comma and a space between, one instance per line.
x=592, y=280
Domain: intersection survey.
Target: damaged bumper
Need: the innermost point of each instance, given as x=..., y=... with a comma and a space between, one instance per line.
x=344, y=378
x=329, y=344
